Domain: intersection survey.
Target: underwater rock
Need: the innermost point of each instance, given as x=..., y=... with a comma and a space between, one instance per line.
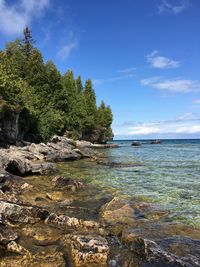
x=43, y=259
x=6, y=234
x=42, y=234
x=88, y=250
x=118, y=213
x=67, y=183
x=156, y=256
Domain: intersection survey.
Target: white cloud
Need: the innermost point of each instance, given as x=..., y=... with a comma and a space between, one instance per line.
x=161, y=62
x=186, y=125
x=65, y=51
x=113, y=79
x=128, y=70
x=172, y=85
x=173, y=7
x=13, y=18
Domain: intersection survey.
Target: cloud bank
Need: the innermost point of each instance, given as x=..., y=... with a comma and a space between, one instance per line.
x=187, y=125
x=172, y=85
x=14, y=17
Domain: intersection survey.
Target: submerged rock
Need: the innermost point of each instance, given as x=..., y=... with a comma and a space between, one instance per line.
x=6, y=234
x=88, y=250
x=67, y=183
x=43, y=259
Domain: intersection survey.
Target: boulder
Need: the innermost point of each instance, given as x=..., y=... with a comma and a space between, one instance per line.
x=136, y=143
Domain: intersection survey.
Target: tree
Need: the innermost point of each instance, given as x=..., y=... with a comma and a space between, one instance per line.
x=91, y=108
x=79, y=84
x=27, y=43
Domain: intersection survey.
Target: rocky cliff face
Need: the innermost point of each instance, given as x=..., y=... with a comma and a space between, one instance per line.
x=12, y=126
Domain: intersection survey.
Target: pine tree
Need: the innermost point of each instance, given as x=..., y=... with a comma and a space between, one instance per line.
x=79, y=84
x=91, y=108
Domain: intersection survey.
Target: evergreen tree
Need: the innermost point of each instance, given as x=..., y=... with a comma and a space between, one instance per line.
x=91, y=108
x=27, y=43
x=79, y=84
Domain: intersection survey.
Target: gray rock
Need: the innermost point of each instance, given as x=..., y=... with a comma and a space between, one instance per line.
x=22, y=214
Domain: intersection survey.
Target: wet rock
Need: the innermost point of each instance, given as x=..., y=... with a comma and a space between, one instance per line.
x=114, y=164
x=42, y=234
x=43, y=259
x=187, y=248
x=67, y=183
x=16, y=248
x=88, y=250
x=6, y=234
x=136, y=143
x=154, y=255
x=55, y=196
x=22, y=214
x=118, y=213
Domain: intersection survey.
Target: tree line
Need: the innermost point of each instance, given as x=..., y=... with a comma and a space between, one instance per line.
x=50, y=103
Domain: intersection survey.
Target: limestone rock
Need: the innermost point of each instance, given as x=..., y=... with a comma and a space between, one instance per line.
x=88, y=250
x=22, y=214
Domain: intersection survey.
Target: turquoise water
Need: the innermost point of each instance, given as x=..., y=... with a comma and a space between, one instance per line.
x=169, y=174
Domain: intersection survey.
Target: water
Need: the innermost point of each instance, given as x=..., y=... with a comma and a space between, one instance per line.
x=168, y=173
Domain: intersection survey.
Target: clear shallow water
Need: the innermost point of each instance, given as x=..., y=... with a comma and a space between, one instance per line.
x=169, y=175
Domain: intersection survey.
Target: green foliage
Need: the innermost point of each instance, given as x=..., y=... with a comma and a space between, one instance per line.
x=51, y=103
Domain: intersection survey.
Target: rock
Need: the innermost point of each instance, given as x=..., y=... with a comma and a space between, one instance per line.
x=42, y=259
x=118, y=213
x=42, y=234
x=155, y=255
x=55, y=196
x=114, y=164
x=155, y=142
x=136, y=143
x=16, y=248
x=6, y=234
x=67, y=222
x=67, y=183
x=82, y=143
x=38, y=158
x=22, y=214
x=88, y=250
x=104, y=146
x=26, y=186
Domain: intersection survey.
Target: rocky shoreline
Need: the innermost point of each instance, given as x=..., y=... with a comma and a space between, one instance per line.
x=50, y=223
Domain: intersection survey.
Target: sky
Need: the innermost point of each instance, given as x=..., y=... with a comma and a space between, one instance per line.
x=143, y=56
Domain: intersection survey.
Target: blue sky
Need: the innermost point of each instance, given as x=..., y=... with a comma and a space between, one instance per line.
x=142, y=55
